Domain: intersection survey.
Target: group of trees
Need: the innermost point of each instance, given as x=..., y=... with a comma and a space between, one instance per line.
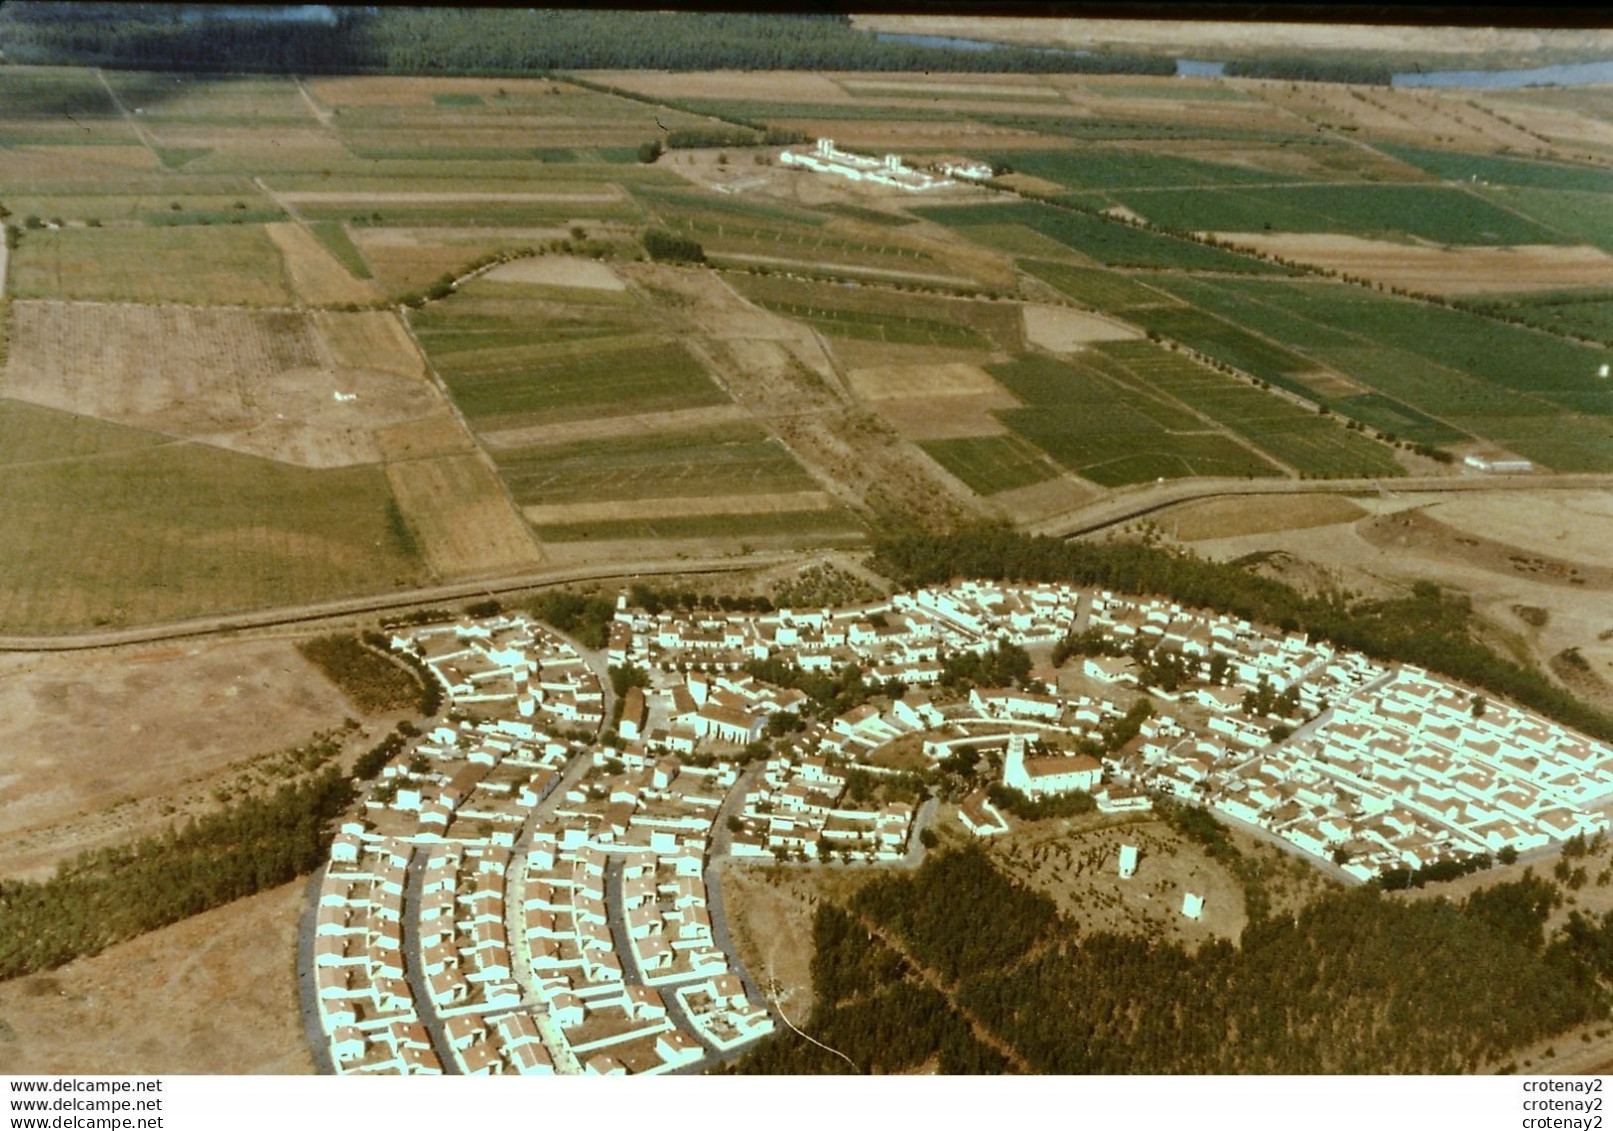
x=112, y=894
x=373, y=683
x=426, y=686
x=1356, y=981
x=669, y=247
x=1428, y=627
x=498, y=42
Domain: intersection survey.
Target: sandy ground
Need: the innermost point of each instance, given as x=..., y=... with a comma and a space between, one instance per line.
x=617, y=510
x=81, y=735
x=215, y=994
x=316, y=275
x=947, y=418
x=438, y=434
x=254, y=381
x=558, y=271
x=1437, y=270
x=1574, y=525
x=1059, y=329
x=1491, y=548
x=1226, y=518
x=946, y=379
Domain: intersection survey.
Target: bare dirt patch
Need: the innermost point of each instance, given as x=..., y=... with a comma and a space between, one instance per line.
x=1058, y=329
x=946, y=379
x=1576, y=526
x=1227, y=518
x=439, y=434
x=1440, y=270
x=558, y=271
x=251, y=381
x=83, y=732
x=316, y=275
x=1041, y=501
x=461, y=516
x=622, y=509
x=1417, y=527
x=947, y=418
x=770, y=919
x=215, y=994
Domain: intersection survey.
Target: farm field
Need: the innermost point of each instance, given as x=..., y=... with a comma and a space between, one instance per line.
x=729, y=460
x=187, y=530
x=1313, y=445
x=198, y=265
x=456, y=514
x=1435, y=213
x=200, y=341
x=989, y=464
x=1107, y=242
x=1112, y=434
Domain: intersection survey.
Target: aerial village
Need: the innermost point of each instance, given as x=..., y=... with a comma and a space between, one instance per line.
x=531, y=891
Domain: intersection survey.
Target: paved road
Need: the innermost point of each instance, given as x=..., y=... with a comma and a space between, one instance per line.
x=414, y=967
x=1133, y=503
x=307, y=983
x=390, y=602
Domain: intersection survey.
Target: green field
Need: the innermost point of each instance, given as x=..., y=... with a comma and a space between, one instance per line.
x=1314, y=445
x=1101, y=290
x=733, y=460
x=519, y=381
x=1113, y=434
x=989, y=464
x=336, y=240
x=1582, y=217
x=1110, y=169
x=1534, y=393
x=111, y=525
x=873, y=313
x=197, y=264
x=1110, y=242
x=1515, y=171
x=1428, y=212
x=813, y=527
x=1584, y=313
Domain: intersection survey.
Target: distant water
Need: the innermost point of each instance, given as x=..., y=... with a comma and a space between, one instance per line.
x=275, y=14
x=1562, y=74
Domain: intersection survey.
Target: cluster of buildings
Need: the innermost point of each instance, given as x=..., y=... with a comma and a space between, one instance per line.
x=823, y=157
x=525, y=899
x=509, y=667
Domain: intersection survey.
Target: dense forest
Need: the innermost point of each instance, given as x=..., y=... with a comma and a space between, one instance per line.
x=1429, y=627
x=1356, y=982
x=113, y=894
x=496, y=42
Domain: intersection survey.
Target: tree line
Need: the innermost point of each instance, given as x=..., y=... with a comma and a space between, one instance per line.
x=112, y=894
x=499, y=42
